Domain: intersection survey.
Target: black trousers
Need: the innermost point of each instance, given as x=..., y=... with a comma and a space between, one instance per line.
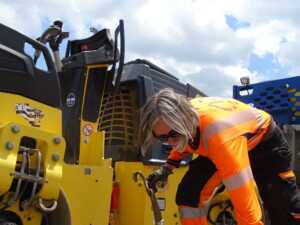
x=281, y=197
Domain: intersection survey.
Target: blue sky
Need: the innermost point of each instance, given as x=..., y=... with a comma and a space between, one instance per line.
x=235, y=24
x=207, y=43
x=266, y=64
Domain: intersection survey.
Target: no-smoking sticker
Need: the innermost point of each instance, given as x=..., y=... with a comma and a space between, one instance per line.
x=87, y=129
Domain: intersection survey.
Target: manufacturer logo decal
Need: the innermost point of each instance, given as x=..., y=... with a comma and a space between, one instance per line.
x=33, y=115
x=70, y=100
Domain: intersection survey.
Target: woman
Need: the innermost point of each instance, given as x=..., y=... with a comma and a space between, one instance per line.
x=236, y=144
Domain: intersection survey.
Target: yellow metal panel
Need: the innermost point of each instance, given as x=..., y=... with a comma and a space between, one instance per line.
x=46, y=117
x=91, y=144
x=88, y=190
x=135, y=204
x=8, y=157
x=91, y=141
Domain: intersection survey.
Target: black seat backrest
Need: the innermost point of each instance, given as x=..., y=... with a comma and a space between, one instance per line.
x=19, y=75
x=98, y=40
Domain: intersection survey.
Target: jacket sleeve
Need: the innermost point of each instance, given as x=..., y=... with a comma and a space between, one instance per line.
x=232, y=161
x=176, y=157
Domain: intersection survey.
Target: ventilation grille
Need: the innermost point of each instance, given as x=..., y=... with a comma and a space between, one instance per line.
x=117, y=118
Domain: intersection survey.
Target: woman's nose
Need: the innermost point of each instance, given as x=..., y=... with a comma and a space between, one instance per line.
x=172, y=141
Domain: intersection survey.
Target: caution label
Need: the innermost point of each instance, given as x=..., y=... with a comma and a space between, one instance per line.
x=87, y=129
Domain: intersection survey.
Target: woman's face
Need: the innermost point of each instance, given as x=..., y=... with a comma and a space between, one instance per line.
x=161, y=128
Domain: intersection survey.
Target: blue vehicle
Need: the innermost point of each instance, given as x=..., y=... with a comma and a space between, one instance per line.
x=280, y=98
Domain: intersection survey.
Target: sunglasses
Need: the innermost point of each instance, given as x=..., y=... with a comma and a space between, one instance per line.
x=165, y=137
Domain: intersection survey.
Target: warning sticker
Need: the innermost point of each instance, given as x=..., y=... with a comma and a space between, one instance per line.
x=86, y=140
x=87, y=129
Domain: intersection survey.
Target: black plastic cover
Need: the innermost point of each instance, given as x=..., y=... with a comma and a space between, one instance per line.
x=18, y=73
x=104, y=55
x=98, y=49
x=152, y=79
x=99, y=39
x=72, y=82
x=93, y=93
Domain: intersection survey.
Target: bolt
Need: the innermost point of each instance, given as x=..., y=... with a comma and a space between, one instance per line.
x=9, y=145
x=46, y=181
x=55, y=157
x=15, y=128
x=56, y=140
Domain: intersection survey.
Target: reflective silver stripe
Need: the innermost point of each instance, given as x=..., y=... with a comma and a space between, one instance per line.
x=205, y=138
x=229, y=121
x=238, y=179
x=190, y=212
x=252, y=141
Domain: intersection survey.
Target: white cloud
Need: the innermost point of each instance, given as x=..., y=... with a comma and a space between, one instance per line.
x=290, y=56
x=189, y=38
x=267, y=37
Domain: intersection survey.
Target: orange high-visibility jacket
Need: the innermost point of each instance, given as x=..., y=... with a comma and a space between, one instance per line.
x=228, y=130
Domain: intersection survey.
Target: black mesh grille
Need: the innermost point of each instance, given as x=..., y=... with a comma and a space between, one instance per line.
x=119, y=120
